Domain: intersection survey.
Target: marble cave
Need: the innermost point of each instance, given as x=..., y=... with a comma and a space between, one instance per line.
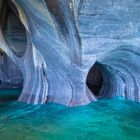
x=72, y=59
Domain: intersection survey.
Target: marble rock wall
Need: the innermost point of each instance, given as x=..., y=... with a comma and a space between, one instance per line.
x=110, y=31
x=67, y=48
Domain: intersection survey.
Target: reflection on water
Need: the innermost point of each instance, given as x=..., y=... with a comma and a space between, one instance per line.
x=106, y=119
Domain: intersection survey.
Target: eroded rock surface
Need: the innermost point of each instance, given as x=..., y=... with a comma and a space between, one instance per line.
x=73, y=52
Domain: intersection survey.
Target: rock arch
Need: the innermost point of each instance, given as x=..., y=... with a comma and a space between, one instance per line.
x=65, y=38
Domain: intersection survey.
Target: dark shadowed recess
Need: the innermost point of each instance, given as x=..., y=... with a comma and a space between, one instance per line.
x=11, y=79
x=13, y=30
x=95, y=80
x=55, y=10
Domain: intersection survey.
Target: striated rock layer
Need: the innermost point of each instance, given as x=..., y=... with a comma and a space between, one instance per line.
x=71, y=52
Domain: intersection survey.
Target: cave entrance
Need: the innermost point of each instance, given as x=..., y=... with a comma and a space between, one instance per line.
x=12, y=28
x=94, y=80
x=11, y=79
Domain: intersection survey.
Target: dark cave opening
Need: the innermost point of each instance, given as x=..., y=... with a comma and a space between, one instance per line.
x=13, y=29
x=11, y=79
x=94, y=80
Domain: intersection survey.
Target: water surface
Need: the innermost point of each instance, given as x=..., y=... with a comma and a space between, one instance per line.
x=106, y=119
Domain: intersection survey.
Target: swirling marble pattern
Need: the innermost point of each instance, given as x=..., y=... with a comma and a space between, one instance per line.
x=62, y=40
x=110, y=31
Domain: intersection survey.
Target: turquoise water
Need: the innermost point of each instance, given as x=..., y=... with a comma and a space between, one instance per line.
x=106, y=119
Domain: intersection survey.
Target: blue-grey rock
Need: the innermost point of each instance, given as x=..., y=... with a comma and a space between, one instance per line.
x=73, y=51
